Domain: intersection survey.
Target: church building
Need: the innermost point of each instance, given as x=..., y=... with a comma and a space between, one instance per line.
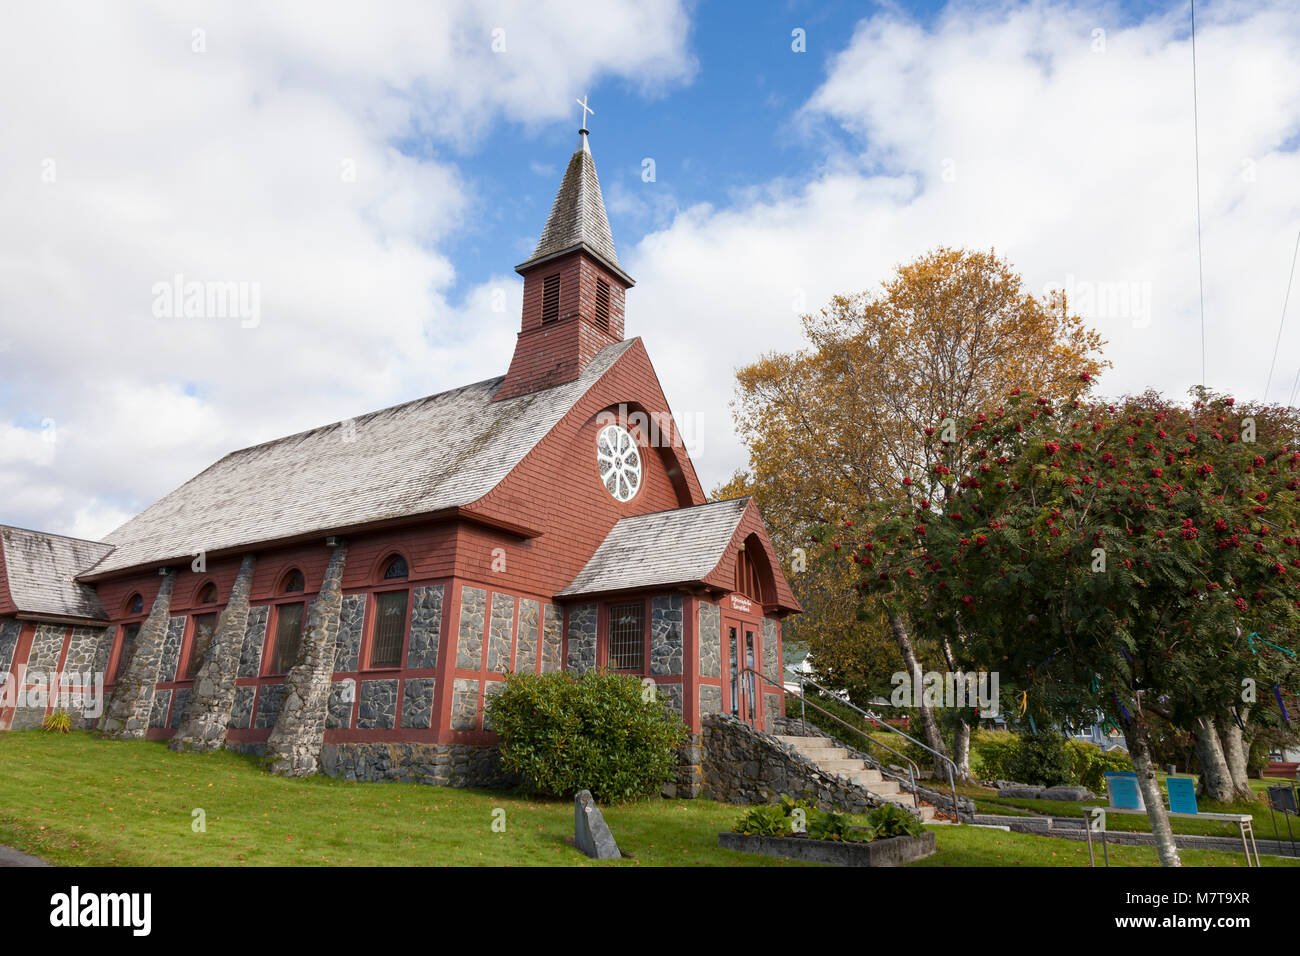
x=345, y=599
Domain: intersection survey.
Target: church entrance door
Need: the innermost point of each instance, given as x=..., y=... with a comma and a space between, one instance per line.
x=740, y=687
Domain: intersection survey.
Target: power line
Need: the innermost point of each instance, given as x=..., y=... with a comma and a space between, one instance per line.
x=1196, y=134
x=1285, y=300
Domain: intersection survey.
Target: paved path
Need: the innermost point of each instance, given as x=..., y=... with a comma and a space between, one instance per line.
x=11, y=857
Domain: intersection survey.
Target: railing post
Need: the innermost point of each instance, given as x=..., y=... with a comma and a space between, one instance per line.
x=803, y=708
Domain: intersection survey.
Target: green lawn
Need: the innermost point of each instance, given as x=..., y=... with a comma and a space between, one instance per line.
x=987, y=801
x=974, y=846
x=76, y=800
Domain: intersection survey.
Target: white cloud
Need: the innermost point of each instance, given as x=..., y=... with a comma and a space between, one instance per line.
x=256, y=145
x=1076, y=165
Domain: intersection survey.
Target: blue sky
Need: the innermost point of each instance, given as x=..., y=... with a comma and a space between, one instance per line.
x=157, y=138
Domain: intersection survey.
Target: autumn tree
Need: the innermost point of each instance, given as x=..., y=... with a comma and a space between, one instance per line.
x=1138, y=559
x=865, y=411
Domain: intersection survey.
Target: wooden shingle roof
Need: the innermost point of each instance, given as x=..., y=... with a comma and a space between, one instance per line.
x=662, y=548
x=40, y=570
x=432, y=454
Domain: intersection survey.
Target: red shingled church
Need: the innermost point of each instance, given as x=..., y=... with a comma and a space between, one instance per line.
x=343, y=599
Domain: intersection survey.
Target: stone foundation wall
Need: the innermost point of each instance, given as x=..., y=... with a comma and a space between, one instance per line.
x=689, y=778
x=745, y=766
x=794, y=727
x=445, y=765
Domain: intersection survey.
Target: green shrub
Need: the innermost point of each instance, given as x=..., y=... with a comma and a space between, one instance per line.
x=829, y=825
x=564, y=733
x=764, y=820
x=1042, y=758
x=1090, y=764
x=995, y=749
x=891, y=820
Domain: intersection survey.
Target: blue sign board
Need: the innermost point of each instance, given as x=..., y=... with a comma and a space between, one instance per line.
x=1182, y=794
x=1122, y=787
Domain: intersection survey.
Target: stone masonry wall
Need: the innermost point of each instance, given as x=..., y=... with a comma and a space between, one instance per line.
x=446, y=765
x=582, y=638
x=426, y=626
x=203, y=718
x=746, y=766
x=9, y=631
x=710, y=629
x=552, y=638
x=294, y=747
x=666, y=646
x=469, y=636
x=127, y=716
x=794, y=727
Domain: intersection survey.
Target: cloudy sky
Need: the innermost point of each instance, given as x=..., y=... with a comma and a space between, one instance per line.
x=373, y=172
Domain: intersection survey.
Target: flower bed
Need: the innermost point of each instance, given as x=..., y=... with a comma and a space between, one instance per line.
x=894, y=851
x=802, y=831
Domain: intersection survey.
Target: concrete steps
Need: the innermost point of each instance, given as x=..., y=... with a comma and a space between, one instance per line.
x=831, y=759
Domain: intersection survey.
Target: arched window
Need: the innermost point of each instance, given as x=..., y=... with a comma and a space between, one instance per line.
x=208, y=595
x=748, y=579
x=293, y=582
x=135, y=604
x=395, y=569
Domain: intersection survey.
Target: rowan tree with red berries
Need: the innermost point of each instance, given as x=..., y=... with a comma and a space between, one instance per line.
x=1135, y=559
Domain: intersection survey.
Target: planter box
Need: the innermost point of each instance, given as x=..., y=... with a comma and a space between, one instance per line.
x=892, y=852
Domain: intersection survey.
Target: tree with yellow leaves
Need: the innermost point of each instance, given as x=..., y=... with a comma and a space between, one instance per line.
x=869, y=406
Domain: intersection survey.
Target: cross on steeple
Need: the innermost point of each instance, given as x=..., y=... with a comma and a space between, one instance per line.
x=585, y=110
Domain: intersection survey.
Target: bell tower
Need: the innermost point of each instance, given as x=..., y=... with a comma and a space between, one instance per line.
x=574, y=287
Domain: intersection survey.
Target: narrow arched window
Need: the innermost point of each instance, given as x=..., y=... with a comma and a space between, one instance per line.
x=396, y=569
x=294, y=582
x=135, y=605
x=208, y=595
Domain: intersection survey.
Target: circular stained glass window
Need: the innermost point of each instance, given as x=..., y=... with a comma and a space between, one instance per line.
x=619, y=461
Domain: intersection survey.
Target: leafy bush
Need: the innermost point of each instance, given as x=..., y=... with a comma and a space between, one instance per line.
x=891, y=820
x=995, y=750
x=765, y=820
x=564, y=733
x=829, y=825
x=57, y=722
x=1090, y=764
x=1042, y=758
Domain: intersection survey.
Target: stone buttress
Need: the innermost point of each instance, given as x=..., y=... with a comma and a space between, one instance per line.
x=127, y=714
x=294, y=747
x=207, y=712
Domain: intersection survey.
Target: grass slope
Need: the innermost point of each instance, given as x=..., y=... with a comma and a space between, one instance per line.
x=77, y=800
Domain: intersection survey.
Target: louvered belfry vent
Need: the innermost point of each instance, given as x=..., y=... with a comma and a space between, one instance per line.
x=551, y=299
x=602, y=303
x=574, y=287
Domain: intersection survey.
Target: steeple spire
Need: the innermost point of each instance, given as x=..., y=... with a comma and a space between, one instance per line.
x=578, y=218
x=574, y=286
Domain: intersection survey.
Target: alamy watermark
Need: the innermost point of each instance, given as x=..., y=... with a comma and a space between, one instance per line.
x=947, y=689
x=182, y=299
x=81, y=691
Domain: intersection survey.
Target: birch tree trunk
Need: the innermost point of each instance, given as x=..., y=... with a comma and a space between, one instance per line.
x=1234, y=753
x=961, y=736
x=961, y=752
x=1139, y=748
x=929, y=726
x=1215, y=781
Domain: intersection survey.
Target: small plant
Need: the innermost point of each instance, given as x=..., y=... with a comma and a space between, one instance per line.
x=58, y=722
x=790, y=806
x=768, y=820
x=891, y=820
x=830, y=825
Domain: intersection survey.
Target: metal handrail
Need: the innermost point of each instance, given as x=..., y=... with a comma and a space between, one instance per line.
x=913, y=769
x=951, y=766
